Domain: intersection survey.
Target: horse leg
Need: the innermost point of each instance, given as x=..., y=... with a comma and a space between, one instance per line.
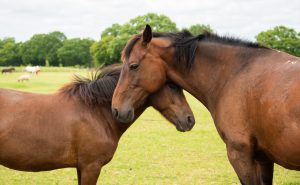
x=265, y=168
x=89, y=174
x=240, y=156
x=79, y=176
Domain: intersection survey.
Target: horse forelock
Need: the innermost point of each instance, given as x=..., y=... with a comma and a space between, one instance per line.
x=98, y=89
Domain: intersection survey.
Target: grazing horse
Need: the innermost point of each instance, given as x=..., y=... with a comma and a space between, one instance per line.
x=33, y=69
x=24, y=77
x=74, y=127
x=252, y=93
x=8, y=70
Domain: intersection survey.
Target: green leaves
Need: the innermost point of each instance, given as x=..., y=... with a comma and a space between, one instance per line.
x=55, y=49
x=75, y=52
x=41, y=48
x=9, y=52
x=281, y=38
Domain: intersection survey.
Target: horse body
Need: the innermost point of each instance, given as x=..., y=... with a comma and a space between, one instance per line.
x=260, y=121
x=73, y=127
x=267, y=117
x=270, y=100
x=33, y=69
x=52, y=128
x=8, y=70
x=251, y=92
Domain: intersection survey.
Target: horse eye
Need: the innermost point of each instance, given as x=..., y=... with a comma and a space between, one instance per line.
x=133, y=66
x=173, y=86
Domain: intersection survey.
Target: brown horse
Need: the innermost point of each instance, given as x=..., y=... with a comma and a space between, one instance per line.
x=74, y=127
x=252, y=93
x=8, y=70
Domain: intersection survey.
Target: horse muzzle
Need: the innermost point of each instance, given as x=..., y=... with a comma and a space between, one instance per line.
x=185, y=124
x=124, y=116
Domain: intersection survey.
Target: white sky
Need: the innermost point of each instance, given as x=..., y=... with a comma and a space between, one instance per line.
x=88, y=18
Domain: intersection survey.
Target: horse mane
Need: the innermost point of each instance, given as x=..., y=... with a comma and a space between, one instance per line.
x=186, y=44
x=98, y=89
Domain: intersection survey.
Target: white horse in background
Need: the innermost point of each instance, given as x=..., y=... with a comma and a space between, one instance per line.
x=33, y=69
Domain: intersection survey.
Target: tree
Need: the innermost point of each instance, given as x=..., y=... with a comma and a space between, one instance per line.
x=9, y=52
x=159, y=23
x=281, y=38
x=114, y=30
x=75, y=52
x=113, y=39
x=33, y=51
x=199, y=29
x=101, y=52
x=41, y=49
x=54, y=42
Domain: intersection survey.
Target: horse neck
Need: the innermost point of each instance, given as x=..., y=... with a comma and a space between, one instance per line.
x=215, y=64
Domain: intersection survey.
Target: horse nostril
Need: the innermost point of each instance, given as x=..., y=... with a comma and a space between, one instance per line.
x=115, y=112
x=190, y=120
x=129, y=114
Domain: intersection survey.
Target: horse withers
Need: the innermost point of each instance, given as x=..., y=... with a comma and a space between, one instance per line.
x=74, y=127
x=252, y=93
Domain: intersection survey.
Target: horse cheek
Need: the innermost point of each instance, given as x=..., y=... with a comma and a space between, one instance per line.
x=155, y=82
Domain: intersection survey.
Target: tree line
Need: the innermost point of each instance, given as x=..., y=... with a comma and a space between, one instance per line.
x=52, y=49
x=55, y=49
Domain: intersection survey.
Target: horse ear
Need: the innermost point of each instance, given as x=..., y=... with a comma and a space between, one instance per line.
x=147, y=35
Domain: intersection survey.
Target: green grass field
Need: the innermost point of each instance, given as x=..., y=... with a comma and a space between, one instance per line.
x=150, y=152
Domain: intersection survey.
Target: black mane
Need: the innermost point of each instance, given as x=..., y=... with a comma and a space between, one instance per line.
x=186, y=44
x=95, y=90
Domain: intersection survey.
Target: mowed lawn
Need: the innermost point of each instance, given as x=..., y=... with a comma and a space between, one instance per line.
x=151, y=152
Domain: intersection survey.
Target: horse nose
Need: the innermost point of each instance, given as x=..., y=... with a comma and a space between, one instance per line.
x=124, y=116
x=115, y=112
x=190, y=121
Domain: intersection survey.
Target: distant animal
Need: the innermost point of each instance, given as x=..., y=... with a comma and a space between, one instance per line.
x=24, y=77
x=8, y=70
x=252, y=93
x=33, y=69
x=74, y=127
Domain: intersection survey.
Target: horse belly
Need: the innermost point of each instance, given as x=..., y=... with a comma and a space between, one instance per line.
x=35, y=152
x=273, y=123
x=283, y=147
x=274, y=114
x=36, y=132
x=278, y=133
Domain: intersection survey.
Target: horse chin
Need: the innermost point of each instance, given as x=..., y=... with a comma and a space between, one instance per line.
x=125, y=120
x=180, y=127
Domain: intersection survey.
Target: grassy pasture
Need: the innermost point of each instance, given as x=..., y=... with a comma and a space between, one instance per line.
x=150, y=152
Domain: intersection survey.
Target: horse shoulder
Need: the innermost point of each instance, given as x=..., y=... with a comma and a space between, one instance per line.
x=98, y=139
x=230, y=115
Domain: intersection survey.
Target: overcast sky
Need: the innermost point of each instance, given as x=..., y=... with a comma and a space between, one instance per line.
x=87, y=18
